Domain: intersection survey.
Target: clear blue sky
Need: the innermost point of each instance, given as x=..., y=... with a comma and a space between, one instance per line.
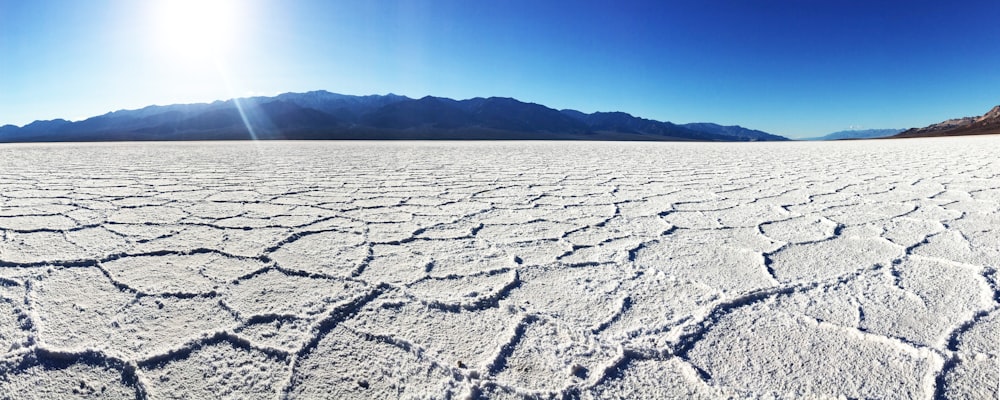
x=794, y=67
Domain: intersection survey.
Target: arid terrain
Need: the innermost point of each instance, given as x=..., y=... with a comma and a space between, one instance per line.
x=245, y=270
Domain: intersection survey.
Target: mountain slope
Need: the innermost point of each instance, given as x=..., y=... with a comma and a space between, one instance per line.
x=325, y=115
x=986, y=124
x=858, y=134
x=734, y=131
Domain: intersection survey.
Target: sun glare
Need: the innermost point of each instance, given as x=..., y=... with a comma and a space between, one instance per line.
x=196, y=30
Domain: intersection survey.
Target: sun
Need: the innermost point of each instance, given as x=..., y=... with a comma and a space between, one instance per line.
x=196, y=30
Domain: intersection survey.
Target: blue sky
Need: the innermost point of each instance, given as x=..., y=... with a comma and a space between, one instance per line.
x=795, y=68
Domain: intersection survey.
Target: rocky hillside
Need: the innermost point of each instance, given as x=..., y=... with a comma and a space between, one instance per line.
x=986, y=124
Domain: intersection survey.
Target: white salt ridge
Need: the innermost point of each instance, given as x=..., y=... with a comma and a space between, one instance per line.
x=500, y=270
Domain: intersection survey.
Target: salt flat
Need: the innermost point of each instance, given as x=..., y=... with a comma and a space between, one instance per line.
x=863, y=269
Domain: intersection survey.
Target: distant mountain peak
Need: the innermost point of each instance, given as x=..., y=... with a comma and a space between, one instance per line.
x=993, y=114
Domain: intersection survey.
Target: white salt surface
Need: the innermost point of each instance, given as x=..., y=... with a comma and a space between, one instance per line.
x=863, y=269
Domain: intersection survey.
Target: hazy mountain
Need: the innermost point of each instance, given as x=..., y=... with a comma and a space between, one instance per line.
x=623, y=123
x=858, y=134
x=985, y=124
x=325, y=115
x=734, y=131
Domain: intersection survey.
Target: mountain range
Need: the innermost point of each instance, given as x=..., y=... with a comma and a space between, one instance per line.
x=985, y=124
x=858, y=134
x=325, y=115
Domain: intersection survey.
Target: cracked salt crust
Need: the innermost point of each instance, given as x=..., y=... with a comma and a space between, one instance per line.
x=501, y=270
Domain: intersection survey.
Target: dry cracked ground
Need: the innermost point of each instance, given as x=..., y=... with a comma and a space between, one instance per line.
x=501, y=270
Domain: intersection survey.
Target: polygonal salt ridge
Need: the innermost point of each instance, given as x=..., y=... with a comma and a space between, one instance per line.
x=98, y=240
x=273, y=292
x=444, y=228
x=359, y=365
x=969, y=378
x=15, y=325
x=512, y=216
x=974, y=223
x=72, y=306
x=597, y=214
x=614, y=229
x=643, y=208
x=336, y=223
x=393, y=232
x=831, y=258
x=148, y=200
x=281, y=332
x=381, y=215
x=670, y=378
x=442, y=208
x=214, y=210
x=953, y=245
x=396, y=264
x=49, y=209
x=692, y=220
x=331, y=253
x=731, y=270
x=909, y=232
x=975, y=206
x=951, y=195
x=35, y=223
x=812, y=358
x=533, y=231
x=142, y=233
x=654, y=306
x=488, y=389
x=544, y=356
x=800, y=230
x=979, y=336
x=866, y=212
x=246, y=222
x=463, y=340
x=40, y=248
x=986, y=194
x=148, y=215
x=46, y=374
x=596, y=200
x=218, y=366
x=377, y=201
x=511, y=194
x=616, y=251
x=184, y=193
x=585, y=186
x=240, y=195
x=38, y=194
x=584, y=297
x=692, y=199
x=187, y=238
x=13, y=282
x=748, y=238
x=88, y=216
x=184, y=275
x=469, y=292
x=254, y=243
x=716, y=203
x=151, y=326
x=123, y=190
x=896, y=302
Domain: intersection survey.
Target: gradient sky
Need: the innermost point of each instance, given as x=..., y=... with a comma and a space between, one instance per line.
x=795, y=68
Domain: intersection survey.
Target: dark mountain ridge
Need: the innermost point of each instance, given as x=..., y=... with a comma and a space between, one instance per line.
x=326, y=115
